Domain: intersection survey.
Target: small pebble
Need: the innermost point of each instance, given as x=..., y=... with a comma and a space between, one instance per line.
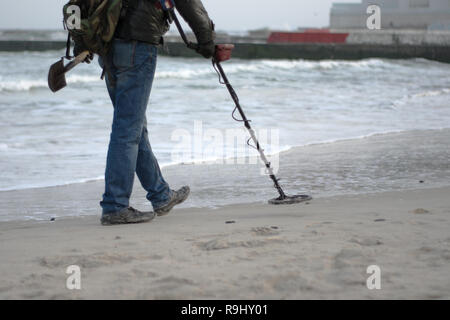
x=274, y=227
x=421, y=181
x=230, y=222
x=379, y=220
x=52, y=219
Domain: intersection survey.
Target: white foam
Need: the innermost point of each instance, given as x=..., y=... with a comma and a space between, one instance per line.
x=322, y=64
x=182, y=74
x=75, y=78
x=49, y=185
x=263, y=65
x=21, y=85
x=212, y=160
x=429, y=93
x=190, y=73
x=27, y=85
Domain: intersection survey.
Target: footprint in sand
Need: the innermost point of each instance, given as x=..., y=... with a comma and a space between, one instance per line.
x=171, y=283
x=420, y=211
x=38, y=294
x=219, y=244
x=85, y=261
x=265, y=231
x=438, y=253
x=367, y=242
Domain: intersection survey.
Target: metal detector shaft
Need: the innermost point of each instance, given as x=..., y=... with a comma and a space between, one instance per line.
x=250, y=129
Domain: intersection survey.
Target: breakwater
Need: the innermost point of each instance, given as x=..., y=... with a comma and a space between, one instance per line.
x=310, y=51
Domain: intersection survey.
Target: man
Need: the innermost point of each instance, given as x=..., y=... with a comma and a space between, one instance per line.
x=130, y=68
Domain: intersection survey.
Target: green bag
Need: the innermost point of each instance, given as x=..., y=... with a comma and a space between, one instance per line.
x=97, y=23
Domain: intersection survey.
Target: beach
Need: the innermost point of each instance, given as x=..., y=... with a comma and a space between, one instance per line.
x=369, y=140
x=378, y=201
x=317, y=251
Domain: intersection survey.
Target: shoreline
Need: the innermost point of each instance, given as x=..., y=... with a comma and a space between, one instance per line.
x=380, y=162
x=215, y=161
x=219, y=207
x=255, y=251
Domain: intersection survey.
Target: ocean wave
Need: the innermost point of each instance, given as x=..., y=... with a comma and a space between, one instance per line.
x=431, y=93
x=50, y=185
x=27, y=85
x=424, y=94
x=21, y=85
x=82, y=78
x=215, y=160
x=191, y=72
x=322, y=64
x=273, y=65
x=182, y=74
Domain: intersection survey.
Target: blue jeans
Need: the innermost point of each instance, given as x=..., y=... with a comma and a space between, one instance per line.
x=129, y=81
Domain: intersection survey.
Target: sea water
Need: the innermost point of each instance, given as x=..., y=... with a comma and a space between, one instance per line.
x=52, y=139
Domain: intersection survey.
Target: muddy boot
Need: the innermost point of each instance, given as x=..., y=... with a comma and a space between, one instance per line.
x=126, y=215
x=177, y=198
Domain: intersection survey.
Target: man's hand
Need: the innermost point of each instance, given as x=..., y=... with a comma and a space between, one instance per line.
x=207, y=49
x=78, y=49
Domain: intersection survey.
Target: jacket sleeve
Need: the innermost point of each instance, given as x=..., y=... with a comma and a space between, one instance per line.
x=194, y=13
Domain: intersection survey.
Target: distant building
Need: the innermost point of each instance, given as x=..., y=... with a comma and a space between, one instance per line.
x=395, y=14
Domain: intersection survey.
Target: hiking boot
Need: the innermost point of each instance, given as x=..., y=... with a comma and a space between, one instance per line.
x=126, y=215
x=177, y=198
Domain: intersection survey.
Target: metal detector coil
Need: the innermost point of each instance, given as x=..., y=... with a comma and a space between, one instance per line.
x=291, y=199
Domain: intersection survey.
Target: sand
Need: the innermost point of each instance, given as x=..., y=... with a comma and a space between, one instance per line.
x=380, y=201
x=319, y=250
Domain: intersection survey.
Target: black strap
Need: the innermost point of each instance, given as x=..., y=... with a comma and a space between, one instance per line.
x=68, y=57
x=125, y=5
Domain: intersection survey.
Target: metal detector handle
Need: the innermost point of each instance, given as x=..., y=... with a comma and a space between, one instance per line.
x=223, y=52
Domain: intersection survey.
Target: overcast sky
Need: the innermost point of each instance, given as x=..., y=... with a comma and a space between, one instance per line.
x=227, y=14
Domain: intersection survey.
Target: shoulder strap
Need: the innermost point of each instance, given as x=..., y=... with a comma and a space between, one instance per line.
x=68, y=57
x=125, y=5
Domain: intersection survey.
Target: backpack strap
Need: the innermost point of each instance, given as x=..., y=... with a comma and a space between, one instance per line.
x=68, y=57
x=125, y=5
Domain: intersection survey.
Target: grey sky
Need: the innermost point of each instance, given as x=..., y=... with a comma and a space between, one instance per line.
x=227, y=14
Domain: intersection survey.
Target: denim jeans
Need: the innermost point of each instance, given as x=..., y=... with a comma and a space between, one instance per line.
x=129, y=81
